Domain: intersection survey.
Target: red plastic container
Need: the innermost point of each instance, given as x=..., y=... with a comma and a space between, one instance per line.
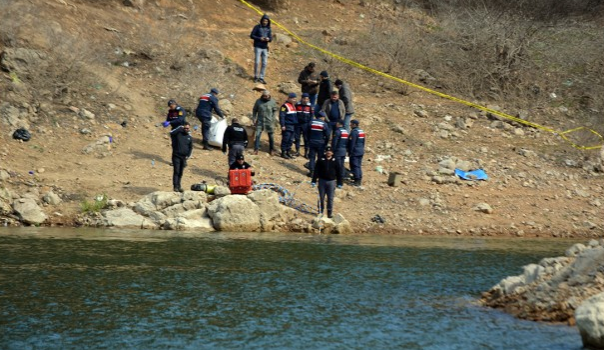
x=240, y=181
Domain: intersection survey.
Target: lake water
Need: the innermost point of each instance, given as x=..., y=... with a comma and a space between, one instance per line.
x=93, y=289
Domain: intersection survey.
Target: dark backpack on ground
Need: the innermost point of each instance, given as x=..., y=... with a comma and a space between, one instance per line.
x=22, y=134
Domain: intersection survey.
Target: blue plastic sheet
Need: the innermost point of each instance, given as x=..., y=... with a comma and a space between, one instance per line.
x=473, y=175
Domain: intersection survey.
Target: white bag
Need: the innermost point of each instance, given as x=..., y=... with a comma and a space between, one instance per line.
x=217, y=129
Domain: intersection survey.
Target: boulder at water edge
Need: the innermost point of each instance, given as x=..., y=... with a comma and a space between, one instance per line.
x=590, y=321
x=29, y=212
x=235, y=213
x=127, y=218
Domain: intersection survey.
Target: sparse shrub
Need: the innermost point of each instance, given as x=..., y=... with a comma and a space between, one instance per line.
x=99, y=203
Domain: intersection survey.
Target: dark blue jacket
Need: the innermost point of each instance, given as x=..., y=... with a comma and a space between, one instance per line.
x=260, y=32
x=207, y=103
x=318, y=133
x=304, y=113
x=182, y=143
x=356, y=142
x=288, y=116
x=176, y=117
x=339, y=144
x=234, y=134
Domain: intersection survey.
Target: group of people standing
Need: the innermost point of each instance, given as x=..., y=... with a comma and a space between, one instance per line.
x=321, y=122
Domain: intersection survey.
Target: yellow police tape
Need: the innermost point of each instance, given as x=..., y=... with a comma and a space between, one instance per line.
x=562, y=134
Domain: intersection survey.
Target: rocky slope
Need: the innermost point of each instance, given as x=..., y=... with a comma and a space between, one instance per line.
x=94, y=125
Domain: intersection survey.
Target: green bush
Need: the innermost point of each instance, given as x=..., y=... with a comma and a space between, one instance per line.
x=95, y=206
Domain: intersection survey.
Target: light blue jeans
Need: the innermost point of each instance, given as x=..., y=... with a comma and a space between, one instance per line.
x=347, y=118
x=260, y=56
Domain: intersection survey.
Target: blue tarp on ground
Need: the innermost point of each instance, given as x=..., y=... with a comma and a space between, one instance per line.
x=477, y=174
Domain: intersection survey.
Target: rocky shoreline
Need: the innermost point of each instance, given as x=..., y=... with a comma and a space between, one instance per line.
x=558, y=290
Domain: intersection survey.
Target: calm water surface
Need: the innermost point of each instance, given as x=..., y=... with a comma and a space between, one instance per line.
x=77, y=289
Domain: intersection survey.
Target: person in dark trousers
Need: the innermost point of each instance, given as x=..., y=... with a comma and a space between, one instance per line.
x=263, y=116
x=309, y=80
x=329, y=173
x=346, y=97
x=288, y=118
x=262, y=35
x=304, y=110
x=176, y=115
x=207, y=104
x=235, y=136
x=325, y=89
x=356, y=150
x=334, y=109
x=182, y=147
x=318, y=137
x=240, y=163
x=339, y=145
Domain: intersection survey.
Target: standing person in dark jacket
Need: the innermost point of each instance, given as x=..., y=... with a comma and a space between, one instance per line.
x=182, y=147
x=328, y=172
x=339, y=145
x=325, y=90
x=207, y=103
x=335, y=109
x=236, y=137
x=262, y=35
x=263, y=116
x=304, y=109
x=176, y=115
x=346, y=97
x=356, y=150
x=310, y=82
x=318, y=137
x=288, y=118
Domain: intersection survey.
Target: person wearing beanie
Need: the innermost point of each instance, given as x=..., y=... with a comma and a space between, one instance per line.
x=235, y=136
x=240, y=163
x=176, y=115
x=325, y=89
x=346, y=97
x=304, y=110
x=182, y=148
x=207, y=104
x=329, y=174
x=356, y=150
x=263, y=117
x=309, y=80
x=288, y=119
x=262, y=35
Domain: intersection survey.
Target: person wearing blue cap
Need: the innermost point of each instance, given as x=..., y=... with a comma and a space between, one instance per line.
x=288, y=118
x=318, y=137
x=207, y=103
x=304, y=109
x=356, y=150
x=176, y=115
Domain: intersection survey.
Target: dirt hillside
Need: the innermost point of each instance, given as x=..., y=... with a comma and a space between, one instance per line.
x=77, y=71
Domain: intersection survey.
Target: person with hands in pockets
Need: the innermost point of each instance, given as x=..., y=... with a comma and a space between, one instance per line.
x=329, y=174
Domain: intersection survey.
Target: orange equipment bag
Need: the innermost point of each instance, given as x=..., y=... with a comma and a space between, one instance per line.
x=240, y=181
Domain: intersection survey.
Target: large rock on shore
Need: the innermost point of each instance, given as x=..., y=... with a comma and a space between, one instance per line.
x=127, y=218
x=553, y=289
x=590, y=321
x=29, y=212
x=235, y=213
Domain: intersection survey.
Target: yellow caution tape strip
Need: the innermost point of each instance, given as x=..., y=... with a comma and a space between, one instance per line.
x=562, y=134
